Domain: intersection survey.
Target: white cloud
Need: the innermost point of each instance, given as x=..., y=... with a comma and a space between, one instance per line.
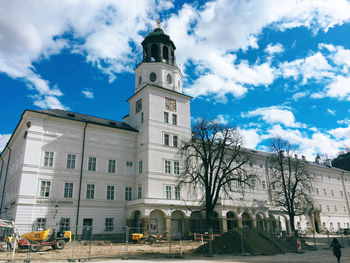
x=250, y=137
x=274, y=114
x=240, y=22
x=32, y=31
x=312, y=67
x=3, y=140
x=88, y=93
x=300, y=95
x=274, y=49
x=222, y=119
x=339, y=88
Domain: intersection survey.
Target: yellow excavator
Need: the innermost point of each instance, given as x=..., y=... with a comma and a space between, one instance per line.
x=37, y=239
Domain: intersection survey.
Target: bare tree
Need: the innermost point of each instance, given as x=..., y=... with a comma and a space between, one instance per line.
x=214, y=164
x=291, y=182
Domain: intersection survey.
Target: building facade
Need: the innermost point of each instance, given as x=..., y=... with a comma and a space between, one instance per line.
x=95, y=176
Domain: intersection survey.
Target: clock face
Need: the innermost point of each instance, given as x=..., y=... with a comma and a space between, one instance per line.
x=169, y=79
x=138, y=106
x=170, y=104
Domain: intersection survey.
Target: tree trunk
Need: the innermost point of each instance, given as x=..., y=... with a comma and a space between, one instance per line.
x=292, y=226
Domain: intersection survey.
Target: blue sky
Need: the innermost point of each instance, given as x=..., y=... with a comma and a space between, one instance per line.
x=270, y=68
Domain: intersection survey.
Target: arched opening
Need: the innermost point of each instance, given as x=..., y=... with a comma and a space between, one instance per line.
x=260, y=222
x=216, y=223
x=232, y=222
x=156, y=222
x=195, y=222
x=172, y=57
x=177, y=224
x=246, y=220
x=137, y=224
x=165, y=54
x=154, y=53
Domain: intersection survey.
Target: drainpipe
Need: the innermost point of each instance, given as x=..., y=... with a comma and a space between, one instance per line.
x=80, y=181
x=346, y=196
x=7, y=169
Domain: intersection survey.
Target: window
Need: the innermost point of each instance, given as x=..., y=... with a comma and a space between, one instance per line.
x=111, y=166
x=109, y=224
x=90, y=191
x=45, y=188
x=129, y=167
x=141, y=117
x=166, y=117
x=175, y=140
x=40, y=223
x=167, y=167
x=320, y=206
x=48, y=159
x=168, y=192
x=174, y=119
x=338, y=224
x=332, y=192
x=341, y=194
x=71, y=161
x=328, y=208
x=176, y=168
x=64, y=224
x=263, y=184
x=344, y=209
x=139, y=192
x=110, y=192
x=317, y=191
x=92, y=164
x=68, y=190
x=335, y=209
x=324, y=191
x=177, y=192
x=166, y=139
x=331, y=226
x=128, y=193
x=140, y=167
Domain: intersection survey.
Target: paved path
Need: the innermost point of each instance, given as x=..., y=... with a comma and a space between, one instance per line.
x=320, y=256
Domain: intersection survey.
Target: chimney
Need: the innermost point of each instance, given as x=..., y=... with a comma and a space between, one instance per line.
x=317, y=159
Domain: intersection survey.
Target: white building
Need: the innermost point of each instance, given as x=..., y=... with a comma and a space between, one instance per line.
x=70, y=169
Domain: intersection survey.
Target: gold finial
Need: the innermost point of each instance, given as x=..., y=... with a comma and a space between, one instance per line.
x=158, y=23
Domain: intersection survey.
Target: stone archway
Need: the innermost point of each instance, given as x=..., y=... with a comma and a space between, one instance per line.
x=196, y=222
x=259, y=218
x=247, y=221
x=232, y=221
x=156, y=222
x=177, y=224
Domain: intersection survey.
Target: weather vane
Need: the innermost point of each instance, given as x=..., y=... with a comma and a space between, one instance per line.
x=158, y=23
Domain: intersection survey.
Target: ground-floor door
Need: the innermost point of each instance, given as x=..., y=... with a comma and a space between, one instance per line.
x=87, y=228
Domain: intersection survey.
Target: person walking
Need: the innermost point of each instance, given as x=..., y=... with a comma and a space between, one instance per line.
x=335, y=246
x=9, y=243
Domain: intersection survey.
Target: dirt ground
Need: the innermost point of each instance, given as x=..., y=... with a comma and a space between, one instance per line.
x=102, y=249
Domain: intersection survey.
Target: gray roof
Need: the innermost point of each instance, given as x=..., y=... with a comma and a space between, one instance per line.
x=86, y=118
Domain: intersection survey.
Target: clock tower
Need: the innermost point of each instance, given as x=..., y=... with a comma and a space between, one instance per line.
x=161, y=113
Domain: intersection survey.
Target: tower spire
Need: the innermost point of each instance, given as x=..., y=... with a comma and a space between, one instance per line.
x=158, y=23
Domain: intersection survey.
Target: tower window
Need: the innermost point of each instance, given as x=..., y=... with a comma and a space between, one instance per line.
x=165, y=54
x=154, y=53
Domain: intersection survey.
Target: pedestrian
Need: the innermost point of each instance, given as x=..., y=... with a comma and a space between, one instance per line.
x=9, y=243
x=335, y=246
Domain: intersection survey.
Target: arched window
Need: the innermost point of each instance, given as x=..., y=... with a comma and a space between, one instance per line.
x=154, y=53
x=165, y=54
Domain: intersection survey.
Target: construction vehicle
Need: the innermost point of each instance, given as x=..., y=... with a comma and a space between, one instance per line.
x=37, y=239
